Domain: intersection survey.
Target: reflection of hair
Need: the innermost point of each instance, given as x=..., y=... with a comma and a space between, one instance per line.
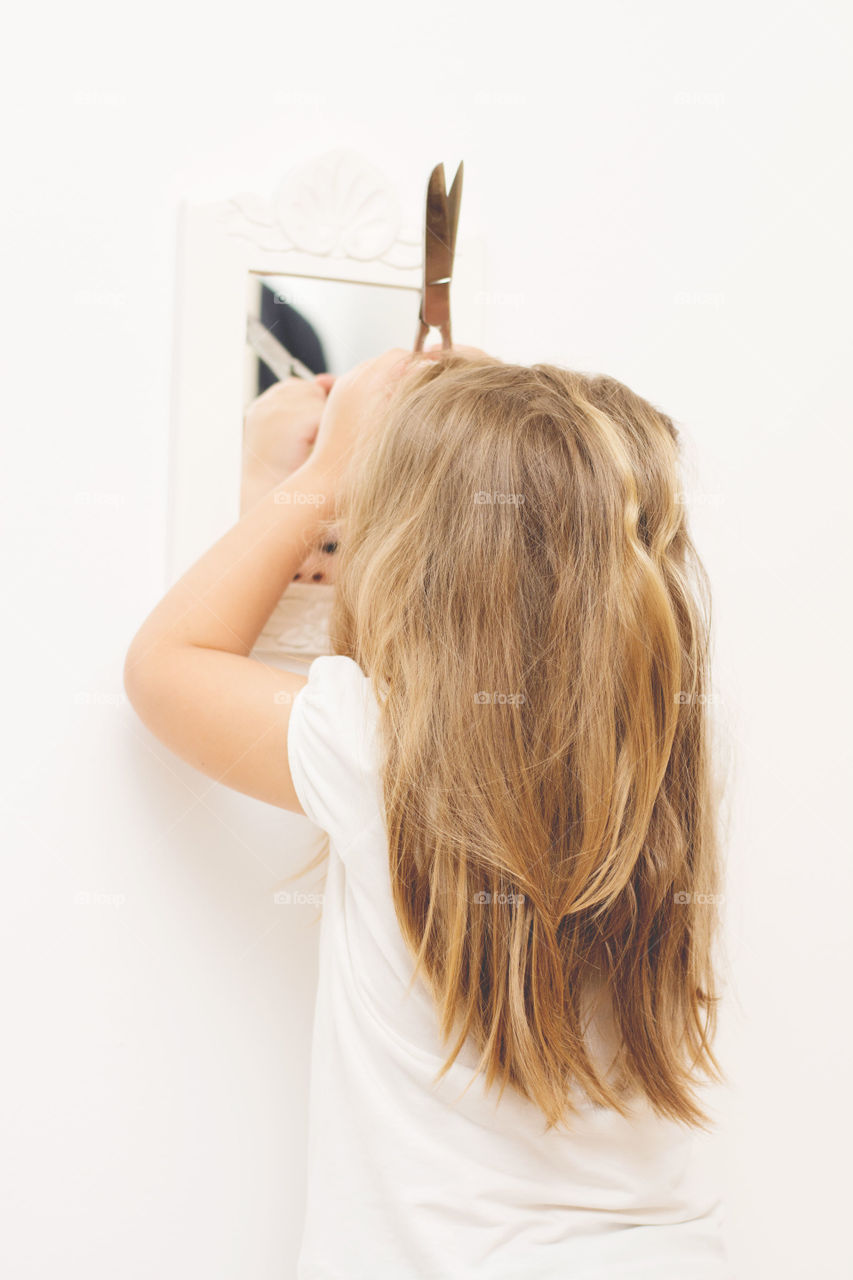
x=517, y=578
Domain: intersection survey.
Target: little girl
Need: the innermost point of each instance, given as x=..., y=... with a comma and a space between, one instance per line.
x=508, y=750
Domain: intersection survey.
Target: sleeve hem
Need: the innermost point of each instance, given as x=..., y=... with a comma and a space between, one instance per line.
x=297, y=776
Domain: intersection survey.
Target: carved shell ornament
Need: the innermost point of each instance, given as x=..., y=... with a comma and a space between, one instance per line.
x=338, y=206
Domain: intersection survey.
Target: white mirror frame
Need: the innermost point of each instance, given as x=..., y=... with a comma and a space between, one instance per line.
x=335, y=218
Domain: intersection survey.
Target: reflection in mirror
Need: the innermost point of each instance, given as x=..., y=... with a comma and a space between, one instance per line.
x=301, y=326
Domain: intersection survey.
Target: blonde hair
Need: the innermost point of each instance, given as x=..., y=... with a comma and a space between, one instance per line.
x=517, y=579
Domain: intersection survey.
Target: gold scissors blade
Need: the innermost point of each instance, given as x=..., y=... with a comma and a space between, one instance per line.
x=442, y=218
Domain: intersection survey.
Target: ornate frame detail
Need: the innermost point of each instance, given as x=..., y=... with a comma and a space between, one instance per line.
x=338, y=206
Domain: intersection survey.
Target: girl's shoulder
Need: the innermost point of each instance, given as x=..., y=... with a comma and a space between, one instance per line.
x=332, y=749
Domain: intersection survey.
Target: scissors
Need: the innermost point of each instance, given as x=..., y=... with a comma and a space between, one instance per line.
x=442, y=216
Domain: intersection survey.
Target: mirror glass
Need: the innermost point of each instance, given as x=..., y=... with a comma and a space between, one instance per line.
x=300, y=326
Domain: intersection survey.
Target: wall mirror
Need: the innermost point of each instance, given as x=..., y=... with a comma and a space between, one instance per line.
x=329, y=268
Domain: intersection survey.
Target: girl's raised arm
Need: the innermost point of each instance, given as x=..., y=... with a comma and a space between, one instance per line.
x=188, y=673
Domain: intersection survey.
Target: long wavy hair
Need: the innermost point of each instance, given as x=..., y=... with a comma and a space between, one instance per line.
x=517, y=578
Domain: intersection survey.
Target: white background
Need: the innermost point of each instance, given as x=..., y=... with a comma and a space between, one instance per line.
x=665, y=194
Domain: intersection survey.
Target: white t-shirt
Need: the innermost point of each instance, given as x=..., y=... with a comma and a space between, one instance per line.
x=413, y=1181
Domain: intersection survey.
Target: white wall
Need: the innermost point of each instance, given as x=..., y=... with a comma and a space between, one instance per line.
x=666, y=195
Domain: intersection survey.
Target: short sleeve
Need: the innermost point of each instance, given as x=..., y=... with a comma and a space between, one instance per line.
x=332, y=751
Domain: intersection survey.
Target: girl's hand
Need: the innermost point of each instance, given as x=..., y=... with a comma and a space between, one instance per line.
x=353, y=406
x=279, y=430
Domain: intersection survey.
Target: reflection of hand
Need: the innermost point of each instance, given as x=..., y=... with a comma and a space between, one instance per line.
x=279, y=430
